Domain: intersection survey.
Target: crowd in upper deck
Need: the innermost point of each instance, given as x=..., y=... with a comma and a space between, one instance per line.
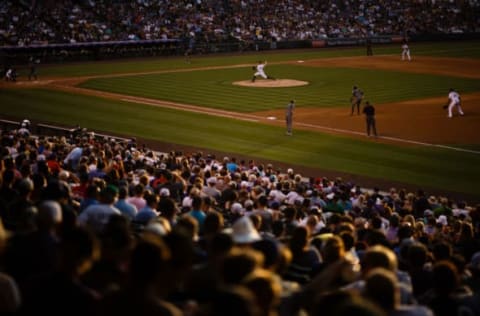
x=32, y=22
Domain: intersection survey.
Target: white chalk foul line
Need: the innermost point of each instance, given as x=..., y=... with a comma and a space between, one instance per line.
x=251, y=118
x=395, y=139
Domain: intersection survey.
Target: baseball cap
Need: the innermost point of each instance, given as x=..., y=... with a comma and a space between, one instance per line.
x=164, y=192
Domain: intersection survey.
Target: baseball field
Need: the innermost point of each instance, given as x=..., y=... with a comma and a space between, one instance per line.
x=209, y=104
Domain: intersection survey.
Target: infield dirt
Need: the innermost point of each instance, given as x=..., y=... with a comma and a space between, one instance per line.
x=421, y=120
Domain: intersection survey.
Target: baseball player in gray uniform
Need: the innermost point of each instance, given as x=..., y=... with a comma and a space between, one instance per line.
x=356, y=99
x=289, y=116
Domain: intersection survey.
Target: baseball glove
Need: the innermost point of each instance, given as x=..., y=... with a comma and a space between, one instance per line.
x=445, y=106
x=253, y=67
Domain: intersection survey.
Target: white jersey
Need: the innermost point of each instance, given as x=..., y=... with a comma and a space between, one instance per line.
x=260, y=71
x=405, y=48
x=454, y=97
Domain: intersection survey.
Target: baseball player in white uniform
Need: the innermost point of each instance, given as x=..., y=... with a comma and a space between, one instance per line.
x=406, y=51
x=260, y=71
x=454, y=100
x=9, y=75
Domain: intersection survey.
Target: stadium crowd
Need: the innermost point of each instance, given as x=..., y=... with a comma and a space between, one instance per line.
x=96, y=225
x=29, y=22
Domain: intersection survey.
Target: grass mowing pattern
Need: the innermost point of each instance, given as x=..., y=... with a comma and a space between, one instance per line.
x=432, y=167
x=466, y=49
x=328, y=87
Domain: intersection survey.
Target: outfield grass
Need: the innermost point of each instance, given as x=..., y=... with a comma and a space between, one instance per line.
x=327, y=87
x=467, y=49
x=423, y=167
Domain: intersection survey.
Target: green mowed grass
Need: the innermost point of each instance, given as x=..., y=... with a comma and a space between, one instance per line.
x=327, y=87
x=422, y=166
x=464, y=49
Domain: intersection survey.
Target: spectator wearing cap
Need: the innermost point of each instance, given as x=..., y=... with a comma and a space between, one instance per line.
x=97, y=215
x=332, y=205
x=127, y=209
x=164, y=192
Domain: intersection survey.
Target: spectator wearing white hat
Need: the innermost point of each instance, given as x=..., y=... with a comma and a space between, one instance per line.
x=244, y=232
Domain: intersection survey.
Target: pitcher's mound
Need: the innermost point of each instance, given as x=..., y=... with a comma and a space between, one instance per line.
x=267, y=83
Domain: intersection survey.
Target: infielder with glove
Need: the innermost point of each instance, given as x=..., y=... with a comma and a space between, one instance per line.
x=453, y=100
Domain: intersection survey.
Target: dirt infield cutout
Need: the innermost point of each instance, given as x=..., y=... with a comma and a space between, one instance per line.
x=278, y=83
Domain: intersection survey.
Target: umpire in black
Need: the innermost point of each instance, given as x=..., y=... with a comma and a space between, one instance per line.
x=369, y=112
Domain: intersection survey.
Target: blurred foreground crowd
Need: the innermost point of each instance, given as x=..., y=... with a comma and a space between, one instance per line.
x=100, y=226
x=26, y=22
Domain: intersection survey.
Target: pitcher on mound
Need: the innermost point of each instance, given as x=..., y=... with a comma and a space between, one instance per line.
x=260, y=71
